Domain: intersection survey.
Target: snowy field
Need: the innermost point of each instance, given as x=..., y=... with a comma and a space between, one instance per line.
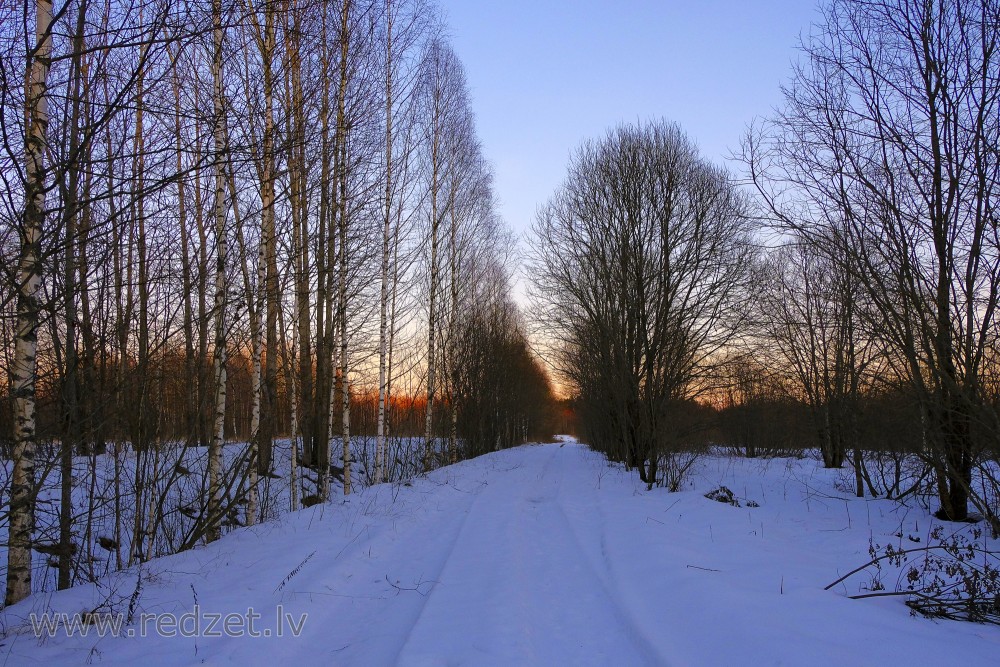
x=540, y=555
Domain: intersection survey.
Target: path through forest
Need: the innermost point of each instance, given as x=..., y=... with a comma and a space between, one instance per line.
x=539, y=555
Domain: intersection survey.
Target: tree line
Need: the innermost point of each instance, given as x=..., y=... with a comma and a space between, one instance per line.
x=237, y=234
x=842, y=295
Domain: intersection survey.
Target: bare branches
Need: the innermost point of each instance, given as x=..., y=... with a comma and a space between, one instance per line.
x=173, y=147
x=884, y=159
x=642, y=272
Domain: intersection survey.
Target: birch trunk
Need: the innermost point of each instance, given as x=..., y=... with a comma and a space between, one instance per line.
x=256, y=388
x=255, y=381
x=452, y=333
x=268, y=243
x=23, y=372
x=383, y=335
x=291, y=390
x=432, y=306
x=218, y=432
x=342, y=227
x=254, y=307
x=300, y=376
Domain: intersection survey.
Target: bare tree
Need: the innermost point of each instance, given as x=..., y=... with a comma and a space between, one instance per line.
x=641, y=271
x=22, y=488
x=888, y=144
x=383, y=334
x=444, y=94
x=219, y=309
x=810, y=314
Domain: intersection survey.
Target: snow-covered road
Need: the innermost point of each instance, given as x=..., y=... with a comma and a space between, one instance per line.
x=541, y=555
x=526, y=578
x=502, y=566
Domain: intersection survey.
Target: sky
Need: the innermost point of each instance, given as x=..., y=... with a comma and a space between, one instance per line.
x=545, y=75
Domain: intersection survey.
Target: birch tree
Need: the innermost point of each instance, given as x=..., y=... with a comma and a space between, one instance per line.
x=383, y=328
x=445, y=98
x=405, y=23
x=342, y=227
x=22, y=488
x=219, y=308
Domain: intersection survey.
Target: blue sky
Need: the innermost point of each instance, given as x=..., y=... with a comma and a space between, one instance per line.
x=545, y=75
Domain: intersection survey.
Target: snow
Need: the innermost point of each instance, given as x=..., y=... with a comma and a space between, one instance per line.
x=539, y=555
x=97, y=495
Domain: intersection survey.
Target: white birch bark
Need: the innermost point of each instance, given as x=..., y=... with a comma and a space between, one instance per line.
x=255, y=308
x=253, y=499
x=452, y=332
x=214, y=508
x=432, y=306
x=383, y=335
x=292, y=391
x=23, y=372
x=342, y=298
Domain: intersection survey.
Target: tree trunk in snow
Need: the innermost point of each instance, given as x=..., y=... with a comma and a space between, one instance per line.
x=321, y=397
x=269, y=248
x=255, y=305
x=214, y=506
x=191, y=369
x=432, y=306
x=453, y=331
x=298, y=367
x=70, y=385
x=383, y=333
x=22, y=487
x=140, y=432
x=342, y=228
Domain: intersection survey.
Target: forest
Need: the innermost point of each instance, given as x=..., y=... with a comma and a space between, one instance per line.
x=231, y=223
x=253, y=263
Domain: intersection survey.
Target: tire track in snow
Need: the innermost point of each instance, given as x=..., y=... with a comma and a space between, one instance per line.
x=604, y=576
x=352, y=578
x=442, y=563
x=553, y=603
x=624, y=589
x=513, y=582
